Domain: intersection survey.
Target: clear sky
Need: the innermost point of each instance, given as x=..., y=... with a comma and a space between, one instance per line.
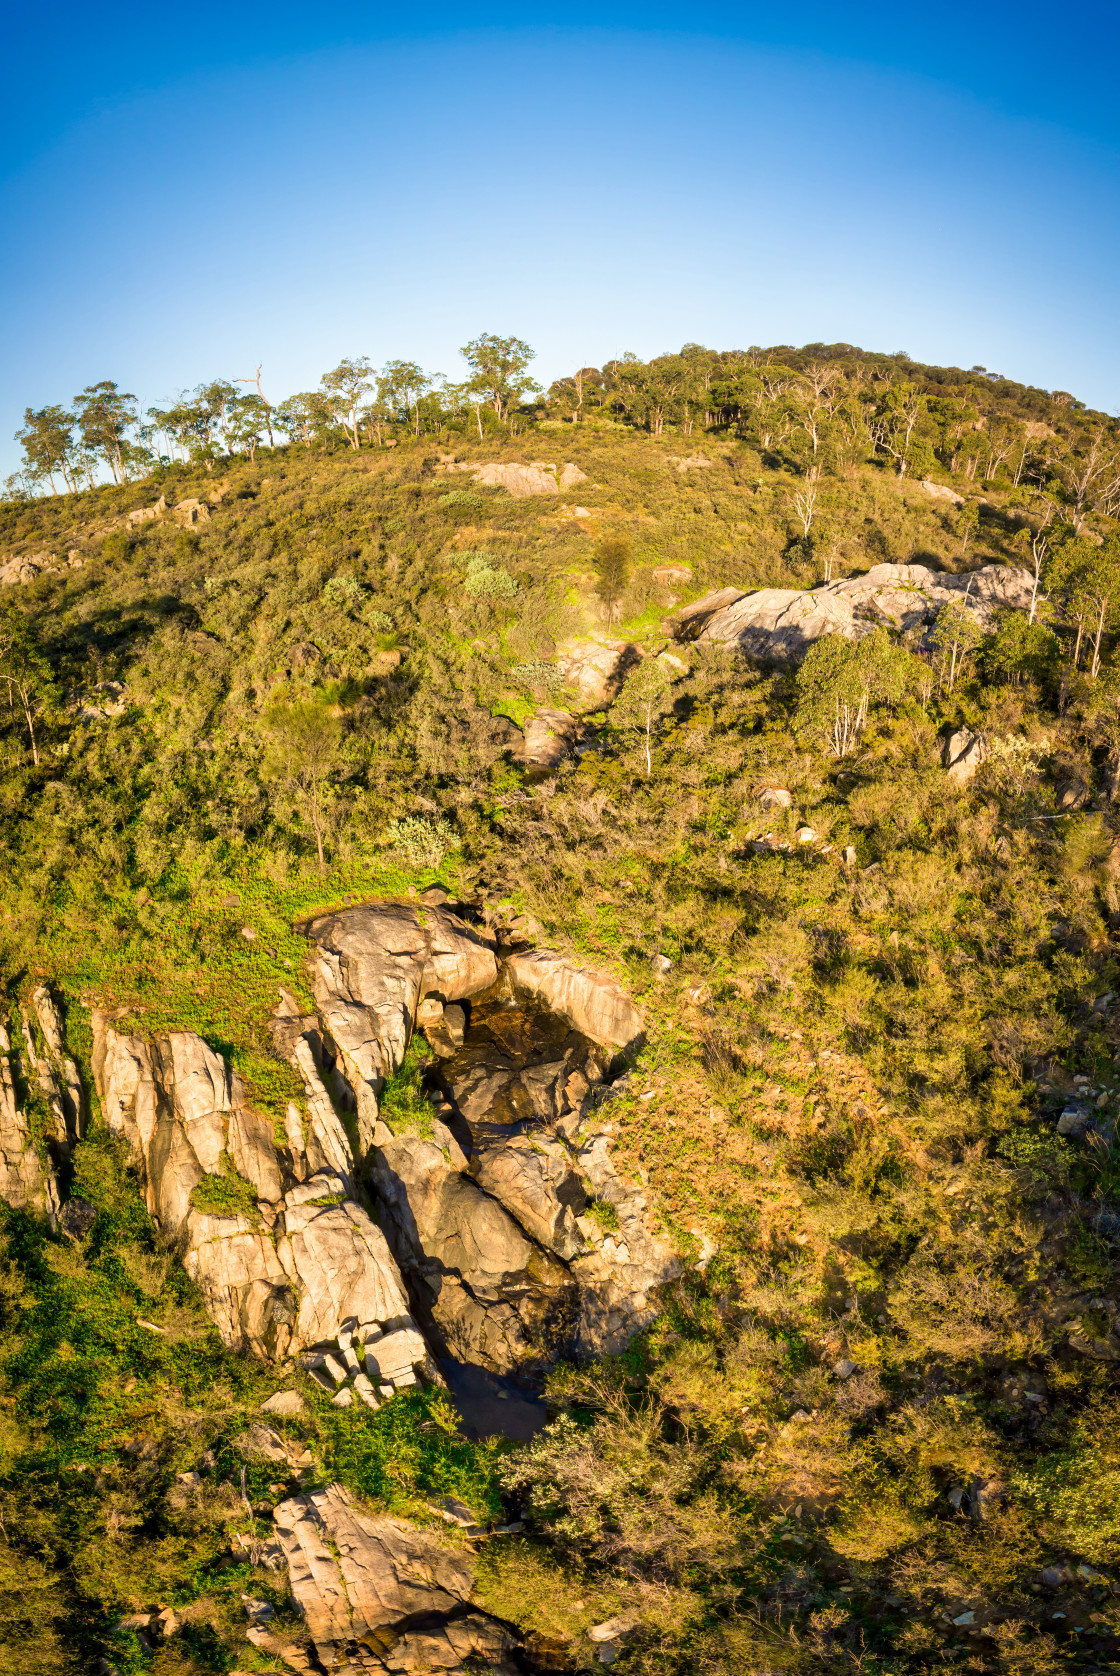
x=188, y=191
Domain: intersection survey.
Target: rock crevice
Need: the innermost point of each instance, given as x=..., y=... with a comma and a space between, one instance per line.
x=486, y=1213
x=33, y=1148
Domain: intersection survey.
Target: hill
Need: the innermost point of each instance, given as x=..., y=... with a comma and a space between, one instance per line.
x=610, y=896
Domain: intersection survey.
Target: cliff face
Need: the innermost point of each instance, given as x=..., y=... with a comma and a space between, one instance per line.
x=297, y=1258
x=41, y=1108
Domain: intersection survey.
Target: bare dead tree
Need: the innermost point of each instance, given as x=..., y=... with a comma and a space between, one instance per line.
x=255, y=378
x=805, y=500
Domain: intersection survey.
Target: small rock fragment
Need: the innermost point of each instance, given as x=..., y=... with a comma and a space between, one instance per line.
x=455, y=1023
x=77, y=1217
x=283, y=1402
x=455, y=1512
x=364, y=1389
x=608, y=1637
x=334, y=1368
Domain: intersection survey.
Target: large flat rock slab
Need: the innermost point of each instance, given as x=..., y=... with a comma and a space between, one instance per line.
x=395, y=1596
x=778, y=625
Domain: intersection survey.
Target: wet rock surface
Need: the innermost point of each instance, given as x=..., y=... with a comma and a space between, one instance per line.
x=491, y=1212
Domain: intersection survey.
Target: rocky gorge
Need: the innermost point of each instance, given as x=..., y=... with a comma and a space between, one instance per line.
x=489, y=1230
x=496, y=1215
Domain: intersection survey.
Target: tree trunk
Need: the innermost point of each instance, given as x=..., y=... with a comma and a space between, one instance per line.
x=317, y=828
x=30, y=726
x=1097, y=642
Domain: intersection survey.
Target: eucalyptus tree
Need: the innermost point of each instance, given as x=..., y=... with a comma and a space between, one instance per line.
x=247, y=423
x=568, y=395
x=343, y=390
x=304, y=417
x=894, y=426
x=105, y=415
x=498, y=377
x=1085, y=578
x=48, y=445
x=401, y=385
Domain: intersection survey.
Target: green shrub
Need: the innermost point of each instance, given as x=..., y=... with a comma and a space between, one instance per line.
x=404, y=1105
x=422, y=844
x=343, y=593
x=227, y=1194
x=1076, y=1489
x=484, y=582
x=1045, y=1158
x=604, y=1214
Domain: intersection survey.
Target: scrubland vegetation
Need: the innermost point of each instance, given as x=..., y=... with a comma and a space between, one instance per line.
x=877, y=1427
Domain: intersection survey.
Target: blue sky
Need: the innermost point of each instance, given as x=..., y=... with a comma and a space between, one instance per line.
x=185, y=195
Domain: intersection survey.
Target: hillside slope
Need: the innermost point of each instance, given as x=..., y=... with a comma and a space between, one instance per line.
x=869, y=1115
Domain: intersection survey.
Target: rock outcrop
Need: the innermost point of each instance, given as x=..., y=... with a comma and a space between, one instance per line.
x=371, y=968
x=486, y=1208
x=26, y=1182
x=146, y=514
x=32, y=1054
x=941, y=491
x=539, y=477
x=621, y=1274
x=590, y=1001
x=780, y=624
x=498, y=1199
x=285, y=1258
x=378, y=1594
x=547, y=739
x=188, y=513
x=495, y=1297
x=963, y=753
x=595, y=665
x=27, y=567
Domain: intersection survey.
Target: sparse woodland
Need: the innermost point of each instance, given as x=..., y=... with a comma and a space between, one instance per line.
x=876, y=1427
